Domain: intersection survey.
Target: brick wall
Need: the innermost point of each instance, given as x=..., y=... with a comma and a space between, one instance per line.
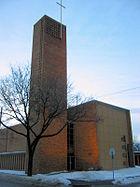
x=53, y=151
x=93, y=140
x=114, y=131
x=10, y=141
x=85, y=138
x=48, y=66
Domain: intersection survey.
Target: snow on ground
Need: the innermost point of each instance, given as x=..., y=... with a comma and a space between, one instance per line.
x=122, y=176
x=13, y=172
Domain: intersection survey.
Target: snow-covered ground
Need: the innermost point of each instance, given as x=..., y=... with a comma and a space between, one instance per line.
x=122, y=176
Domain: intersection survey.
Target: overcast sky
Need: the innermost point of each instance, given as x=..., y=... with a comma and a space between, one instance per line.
x=103, y=45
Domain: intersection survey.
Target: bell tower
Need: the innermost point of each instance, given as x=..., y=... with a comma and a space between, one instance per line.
x=49, y=64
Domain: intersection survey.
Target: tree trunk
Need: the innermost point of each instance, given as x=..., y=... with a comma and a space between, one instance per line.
x=31, y=151
x=30, y=163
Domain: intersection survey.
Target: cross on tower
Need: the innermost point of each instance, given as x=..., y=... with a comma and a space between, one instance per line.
x=61, y=6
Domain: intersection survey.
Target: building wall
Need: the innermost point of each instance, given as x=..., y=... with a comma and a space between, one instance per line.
x=112, y=132
x=3, y=140
x=10, y=141
x=49, y=69
x=137, y=158
x=93, y=140
x=53, y=151
x=85, y=138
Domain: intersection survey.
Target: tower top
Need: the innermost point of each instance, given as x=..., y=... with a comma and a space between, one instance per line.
x=51, y=27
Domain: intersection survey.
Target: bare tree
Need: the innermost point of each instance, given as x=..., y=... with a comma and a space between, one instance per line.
x=30, y=106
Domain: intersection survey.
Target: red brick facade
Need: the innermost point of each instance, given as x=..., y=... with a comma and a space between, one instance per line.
x=85, y=138
x=49, y=67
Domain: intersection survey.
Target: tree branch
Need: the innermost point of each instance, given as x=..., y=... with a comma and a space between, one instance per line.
x=10, y=127
x=13, y=129
x=55, y=134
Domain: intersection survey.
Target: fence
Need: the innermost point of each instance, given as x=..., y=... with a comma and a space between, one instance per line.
x=12, y=160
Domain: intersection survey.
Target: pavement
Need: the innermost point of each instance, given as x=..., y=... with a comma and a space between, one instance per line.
x=78, y=183
x=10, y=180
x=107, y=183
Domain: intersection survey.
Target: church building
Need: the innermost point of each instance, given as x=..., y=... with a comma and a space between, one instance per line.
x=81, y=145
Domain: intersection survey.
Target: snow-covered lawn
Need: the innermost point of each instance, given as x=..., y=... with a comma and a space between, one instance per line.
x=122, y=176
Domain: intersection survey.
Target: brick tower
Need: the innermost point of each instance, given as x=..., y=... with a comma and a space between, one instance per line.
x=49, y=64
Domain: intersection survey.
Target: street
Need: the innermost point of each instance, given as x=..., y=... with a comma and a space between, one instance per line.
x=12, y=184
x=7, y=180
x=4, y=183
x=109, y=185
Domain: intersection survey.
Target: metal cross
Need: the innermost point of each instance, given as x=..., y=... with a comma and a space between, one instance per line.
x=61, y=6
